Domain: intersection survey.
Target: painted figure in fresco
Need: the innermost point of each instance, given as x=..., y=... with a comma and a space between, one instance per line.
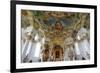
x=58, y=27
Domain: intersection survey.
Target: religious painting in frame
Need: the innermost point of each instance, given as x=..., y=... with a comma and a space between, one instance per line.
x=52, y=36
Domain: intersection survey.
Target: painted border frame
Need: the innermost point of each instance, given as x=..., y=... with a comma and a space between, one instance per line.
x=13, y=36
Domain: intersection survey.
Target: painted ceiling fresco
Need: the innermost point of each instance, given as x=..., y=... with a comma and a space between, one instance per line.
x=67, y=22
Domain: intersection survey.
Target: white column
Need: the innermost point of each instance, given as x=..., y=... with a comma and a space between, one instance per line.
x=77, y=51
x=66, y=57
x=84, y=48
